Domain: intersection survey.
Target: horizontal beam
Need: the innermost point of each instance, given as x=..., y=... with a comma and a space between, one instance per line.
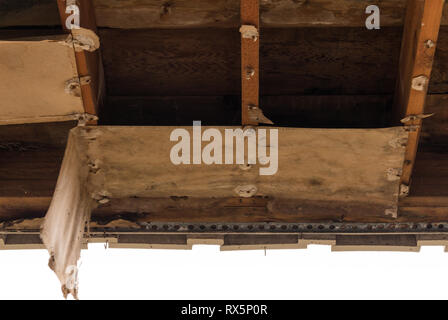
x=328, y=61
x=208, y=13
x=137, y=211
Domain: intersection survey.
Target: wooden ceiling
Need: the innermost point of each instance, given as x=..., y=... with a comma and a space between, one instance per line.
x=172, y=62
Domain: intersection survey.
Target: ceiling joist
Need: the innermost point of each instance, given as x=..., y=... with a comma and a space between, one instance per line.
x=89, y=65
x=419, y=42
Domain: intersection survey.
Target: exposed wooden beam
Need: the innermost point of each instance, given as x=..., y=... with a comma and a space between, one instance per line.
x=208, y=13
x=88, y=63
x=228, y=210
x=250, y=60
x=417, y=55
x=328, y=61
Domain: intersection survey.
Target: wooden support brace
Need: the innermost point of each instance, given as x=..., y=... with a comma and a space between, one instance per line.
x=250, y=63
x=420, y=35
x=89, y=65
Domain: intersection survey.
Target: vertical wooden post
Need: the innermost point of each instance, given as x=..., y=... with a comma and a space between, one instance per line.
x=250, y=70
x=88, y=63
x=420, y=35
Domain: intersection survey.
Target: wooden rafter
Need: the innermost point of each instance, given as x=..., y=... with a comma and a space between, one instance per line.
x=420, y=35
x=88, y=63
x=250, y=64
x=250, y=57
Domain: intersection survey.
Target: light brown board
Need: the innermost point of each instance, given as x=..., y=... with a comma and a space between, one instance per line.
x=32, y=83
x=224, y=13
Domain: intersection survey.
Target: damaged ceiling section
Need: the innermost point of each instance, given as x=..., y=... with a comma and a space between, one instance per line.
x=247, y=124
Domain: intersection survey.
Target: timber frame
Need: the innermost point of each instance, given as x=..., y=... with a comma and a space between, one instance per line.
x=153, y=77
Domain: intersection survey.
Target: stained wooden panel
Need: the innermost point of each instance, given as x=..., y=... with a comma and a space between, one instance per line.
x=294, y=61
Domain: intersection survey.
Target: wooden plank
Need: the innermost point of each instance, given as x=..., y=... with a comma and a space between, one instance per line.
x=250, y=61
x=28, y=13
x=328, y=61
x=35, y=92
x=311, y=111
x=122, y=157
x=30, y=157
x=16, y=208
x=88, y=63
x=122, y=213
x=208, y=13
x=417, y=54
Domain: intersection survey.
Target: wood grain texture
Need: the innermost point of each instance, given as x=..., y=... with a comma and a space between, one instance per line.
x=35, y=92
x=28, y=13
x=312, y=111
x=250, y=61
x=230, y=210
x=420, y=36
x=294, y=61
x=30, y=159
x=353, y=166
x=88, y=63
x=208, y=13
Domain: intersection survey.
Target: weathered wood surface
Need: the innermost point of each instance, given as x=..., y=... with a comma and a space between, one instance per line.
x=27, y=213
x=29, y=13
x=36, y=92
x=420, y=36
x=364, y=111
x=69, y=212
x=293, y=61
x=250, y=62
x=31, y=154
x=30, y=158
x=222, y=13
x=88, y=63
x=207, y=13
x=355, y=166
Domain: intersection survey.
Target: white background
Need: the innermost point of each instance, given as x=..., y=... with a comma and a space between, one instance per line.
x=207, y=273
